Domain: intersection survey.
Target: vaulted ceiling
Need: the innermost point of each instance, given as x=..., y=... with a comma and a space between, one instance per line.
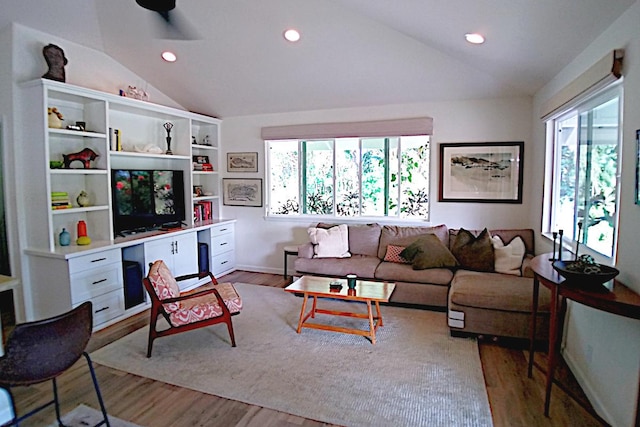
x=352, y=53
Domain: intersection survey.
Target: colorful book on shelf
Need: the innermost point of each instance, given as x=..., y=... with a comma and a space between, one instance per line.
x=207, y=210
x=58, y=207
x=207, y=167
x=115, y=139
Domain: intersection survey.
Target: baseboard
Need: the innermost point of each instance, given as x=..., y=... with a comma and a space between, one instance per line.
x=589, y=389
x=259, y=269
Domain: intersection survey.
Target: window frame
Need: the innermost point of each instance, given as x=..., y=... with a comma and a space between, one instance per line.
x=587, y=102
x=389, y=190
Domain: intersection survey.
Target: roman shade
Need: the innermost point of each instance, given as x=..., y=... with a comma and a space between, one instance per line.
x=380, y=128
x=602, y=73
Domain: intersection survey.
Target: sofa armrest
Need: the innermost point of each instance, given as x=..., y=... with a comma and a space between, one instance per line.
x=306, y=250
x=526, y=270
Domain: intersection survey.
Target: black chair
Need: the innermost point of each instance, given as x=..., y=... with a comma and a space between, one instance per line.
x=42, y=350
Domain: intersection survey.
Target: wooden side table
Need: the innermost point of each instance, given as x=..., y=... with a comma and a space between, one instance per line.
x=289, y=250
x=619, y=300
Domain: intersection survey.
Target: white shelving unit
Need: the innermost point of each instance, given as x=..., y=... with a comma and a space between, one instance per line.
x=143, y=138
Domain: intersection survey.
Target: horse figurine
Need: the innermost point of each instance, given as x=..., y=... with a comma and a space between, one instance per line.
x=85, y=156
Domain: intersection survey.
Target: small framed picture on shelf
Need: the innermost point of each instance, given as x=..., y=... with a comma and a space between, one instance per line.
x=201, y=160
x=242, y=162
x=198, y=191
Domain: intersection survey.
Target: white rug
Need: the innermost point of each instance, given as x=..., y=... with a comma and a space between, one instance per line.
x=83, y=416
x=415, y=375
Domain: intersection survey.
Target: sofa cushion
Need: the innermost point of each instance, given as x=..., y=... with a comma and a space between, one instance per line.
x=360, y=265
x=474, y=253
x=404, y=236
x=495, y=291
x=429, y=252
x=508, y=258
x=395, y=272
x=363, y=239
x=330, y=243
x=394, y=254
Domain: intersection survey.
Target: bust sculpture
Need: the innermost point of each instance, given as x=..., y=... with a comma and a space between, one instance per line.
x=54, y=55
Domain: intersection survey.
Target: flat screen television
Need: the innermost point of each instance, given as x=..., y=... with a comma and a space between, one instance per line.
x=146, y=199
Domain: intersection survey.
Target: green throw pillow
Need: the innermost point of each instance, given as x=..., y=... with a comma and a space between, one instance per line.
x=474, y=253
x=428, y=252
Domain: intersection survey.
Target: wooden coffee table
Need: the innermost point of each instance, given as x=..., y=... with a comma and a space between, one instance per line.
x=365, y=291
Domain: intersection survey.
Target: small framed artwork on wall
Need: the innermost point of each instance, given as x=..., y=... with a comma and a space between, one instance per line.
x=242, y=192
x=242, y=162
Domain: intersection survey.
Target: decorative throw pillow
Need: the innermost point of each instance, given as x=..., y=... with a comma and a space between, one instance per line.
x=429, y=252
x=474, y=253
x=330, y=243
x=508, y=259
x=393, y=255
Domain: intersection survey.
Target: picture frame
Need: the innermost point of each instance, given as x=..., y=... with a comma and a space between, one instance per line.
x=481, y=172
x=198, y=191
x=637, y=200
x=200, y=159
x=242, y=162
x=242, y=192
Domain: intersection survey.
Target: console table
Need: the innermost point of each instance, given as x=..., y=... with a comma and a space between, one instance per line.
x=618, y=300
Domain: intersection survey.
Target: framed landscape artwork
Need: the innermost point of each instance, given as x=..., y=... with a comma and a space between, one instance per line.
x=485, y=172
x=242, y=162
x=242, y=192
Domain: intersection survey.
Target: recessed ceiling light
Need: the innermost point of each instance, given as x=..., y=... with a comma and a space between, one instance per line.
x=169, y=56
x=292, y=35
x=474, y=38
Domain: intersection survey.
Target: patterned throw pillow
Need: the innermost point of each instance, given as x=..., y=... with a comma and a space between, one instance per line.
x=393, y=254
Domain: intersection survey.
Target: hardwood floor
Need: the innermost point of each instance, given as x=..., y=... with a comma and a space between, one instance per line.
x=515, y=399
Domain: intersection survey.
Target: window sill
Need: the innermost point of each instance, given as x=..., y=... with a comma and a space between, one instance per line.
x=334, y=220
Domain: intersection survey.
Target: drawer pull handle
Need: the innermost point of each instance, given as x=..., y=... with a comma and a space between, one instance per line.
x=223, y=229
x=222, y=244
x=102, y=309
x=98, y=259
x=224, y=262
x=99, y=281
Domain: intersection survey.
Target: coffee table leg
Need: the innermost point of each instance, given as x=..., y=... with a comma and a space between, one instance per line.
x=315, y=304
x=372, y=327
x=304, y=307
x=379, y=314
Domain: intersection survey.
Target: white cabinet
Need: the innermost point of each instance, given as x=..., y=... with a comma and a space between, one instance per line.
x=178, y=251
x=223, y=248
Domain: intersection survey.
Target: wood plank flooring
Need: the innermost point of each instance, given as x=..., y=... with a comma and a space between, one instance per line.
x=515, y=399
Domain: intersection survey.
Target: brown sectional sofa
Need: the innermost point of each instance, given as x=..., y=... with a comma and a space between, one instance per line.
x=476, y=302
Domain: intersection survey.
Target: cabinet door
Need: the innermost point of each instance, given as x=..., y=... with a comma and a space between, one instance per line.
x=185, y=257
x=159, y=249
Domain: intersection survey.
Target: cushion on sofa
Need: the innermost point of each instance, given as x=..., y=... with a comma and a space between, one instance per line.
x=404, y=236
x=495, y=291
x=394, y=254
x=508, y=258
x=428, y=251
x=394, y=272
x=360, y=265
x=330, y=243
x=474, y=253
x=363, y=239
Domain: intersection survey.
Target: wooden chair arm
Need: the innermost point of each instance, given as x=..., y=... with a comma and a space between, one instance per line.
x=191, y=295
x=201, y=275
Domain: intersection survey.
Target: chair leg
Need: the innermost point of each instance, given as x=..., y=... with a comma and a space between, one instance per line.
x=56, y=402
x=97, y=388
x=152, y=331
x=230, y=328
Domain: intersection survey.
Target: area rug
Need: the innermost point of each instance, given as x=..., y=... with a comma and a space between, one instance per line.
x=83, y=416
x=415, y=375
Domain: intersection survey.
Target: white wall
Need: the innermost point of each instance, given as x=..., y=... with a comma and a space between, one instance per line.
x=603, y=350
x=259, y=242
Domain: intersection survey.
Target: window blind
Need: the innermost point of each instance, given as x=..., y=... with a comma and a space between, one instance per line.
x=602, y=73
x=381, y=128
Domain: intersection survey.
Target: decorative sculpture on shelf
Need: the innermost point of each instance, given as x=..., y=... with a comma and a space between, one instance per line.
x=54, y=55
x=168, y=126
x=83, y=238
x=85, y=156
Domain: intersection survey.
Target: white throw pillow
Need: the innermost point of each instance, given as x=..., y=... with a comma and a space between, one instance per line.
x=330, y=243
x=508, y=259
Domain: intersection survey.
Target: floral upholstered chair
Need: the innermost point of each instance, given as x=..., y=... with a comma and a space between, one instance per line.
x=188, y=310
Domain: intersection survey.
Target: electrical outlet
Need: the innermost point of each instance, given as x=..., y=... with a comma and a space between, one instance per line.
x=589, y=354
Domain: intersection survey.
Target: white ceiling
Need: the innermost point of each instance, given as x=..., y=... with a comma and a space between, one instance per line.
x=352, y=53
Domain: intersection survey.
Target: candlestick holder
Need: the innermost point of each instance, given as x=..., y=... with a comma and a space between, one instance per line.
x=553, y=254
x=560, y=233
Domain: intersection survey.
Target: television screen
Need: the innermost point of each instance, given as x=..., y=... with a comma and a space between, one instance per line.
x=145, y=199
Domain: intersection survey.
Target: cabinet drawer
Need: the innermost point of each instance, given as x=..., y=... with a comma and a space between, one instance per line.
x=107, y=307
x=94, y=282
x=221, y=229
x=223, y=262
x=94, y=260
x=223, y=243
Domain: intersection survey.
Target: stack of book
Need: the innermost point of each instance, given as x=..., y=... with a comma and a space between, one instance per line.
x=60, y=200
x=202, y=211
